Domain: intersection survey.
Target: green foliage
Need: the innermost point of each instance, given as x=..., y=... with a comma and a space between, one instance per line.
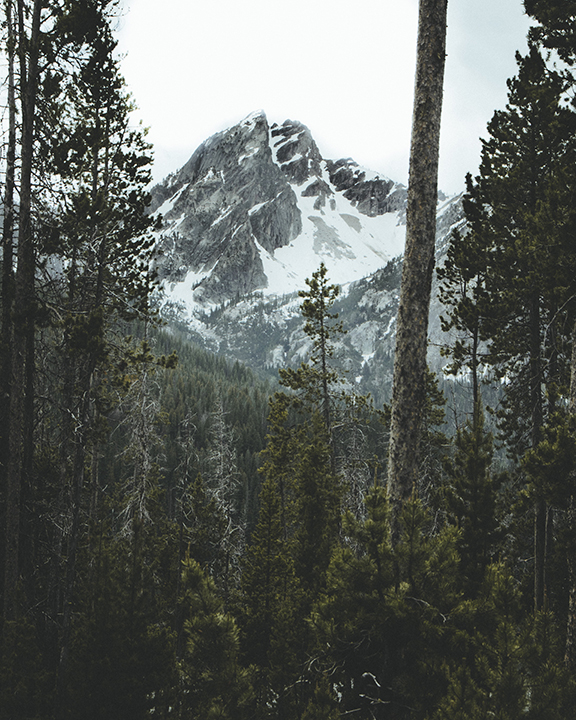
x=509, y=280
x=511, y=668
x=271, y=614
x=25, y=683
x=323, y=704
x=123, y=663
x=471, y=499
x=550, y=465
x=556, y=26
x=317, y=508
x=214, y=684
x=383, y=623
x=509, y=285
x=314, y=381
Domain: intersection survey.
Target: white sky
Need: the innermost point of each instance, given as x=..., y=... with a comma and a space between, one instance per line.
x=345, y=69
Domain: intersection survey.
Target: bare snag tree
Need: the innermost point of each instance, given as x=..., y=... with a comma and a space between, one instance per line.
x=408, y=394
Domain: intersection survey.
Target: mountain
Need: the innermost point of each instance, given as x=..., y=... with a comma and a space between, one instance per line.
x=257, y=208
x=251, y=215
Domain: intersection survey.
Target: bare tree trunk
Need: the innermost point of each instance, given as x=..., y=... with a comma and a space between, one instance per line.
x=8, y=230
x=7, y=263
x=540, y=509
x=23, y=341
x=570, y=649
x=408, y=395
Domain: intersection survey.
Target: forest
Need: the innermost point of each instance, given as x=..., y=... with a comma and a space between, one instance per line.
x=181, y=538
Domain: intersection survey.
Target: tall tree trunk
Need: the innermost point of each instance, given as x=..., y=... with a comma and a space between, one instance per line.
x=7, y=266
x=540, y=510
x=21, y=398
x=8, y=231
x=409, y=387
x=80, y=441
x=570, y=649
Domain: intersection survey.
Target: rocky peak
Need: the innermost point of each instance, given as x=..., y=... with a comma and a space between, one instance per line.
x=256, y=207
x=296, y=152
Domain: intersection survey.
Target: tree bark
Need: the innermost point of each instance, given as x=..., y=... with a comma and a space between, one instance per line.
x=570, y=648
x=21, y=400
x=7, y=265
x=409, y=384
x=540, y=510
x=8, y=232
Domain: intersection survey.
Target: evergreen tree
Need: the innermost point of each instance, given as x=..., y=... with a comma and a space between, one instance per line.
x=510, y=666
x=382, y=627
x=271, y=613
x=80, y=266
x=555, y=29
x=214, y=683
x=317, y=509
x=102, y=240
x=315, y=382
x=300, y=509
x=471, y=500
x=518, y=292
x=122, y=651
x=462, y=291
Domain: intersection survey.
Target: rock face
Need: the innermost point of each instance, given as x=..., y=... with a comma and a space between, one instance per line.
x=219, y=205
x=258, y=208
x=372, y=196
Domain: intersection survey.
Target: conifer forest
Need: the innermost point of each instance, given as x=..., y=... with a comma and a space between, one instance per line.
x=183, y=538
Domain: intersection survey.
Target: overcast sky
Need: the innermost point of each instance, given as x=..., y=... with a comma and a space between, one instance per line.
x=345, y=69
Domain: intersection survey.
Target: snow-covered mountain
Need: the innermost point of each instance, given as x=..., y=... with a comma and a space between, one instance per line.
x=252, y=214
x=257, y=208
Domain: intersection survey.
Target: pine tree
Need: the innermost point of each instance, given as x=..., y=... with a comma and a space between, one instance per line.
x=462, y=291
x=317, y=509
x=214, y=683
x=556, y=27
x=382, y=626
x=102, y=240
x=81, y=263
x=519, y=274
x=122, y=662
x=315, y=382
x=271, y=611
x=300, y=510
x=471, y=500
x=509, y=665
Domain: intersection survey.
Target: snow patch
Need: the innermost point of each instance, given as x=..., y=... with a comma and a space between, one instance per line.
x=168, y=205
x=251, y=152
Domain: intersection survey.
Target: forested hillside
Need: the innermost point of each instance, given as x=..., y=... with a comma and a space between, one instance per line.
x=182, y=538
